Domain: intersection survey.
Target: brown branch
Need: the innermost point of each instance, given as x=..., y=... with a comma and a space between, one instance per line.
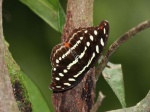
x=98, y=102
x=7, y=100
x=79, y=14
x=142, y=26
x=77, y=99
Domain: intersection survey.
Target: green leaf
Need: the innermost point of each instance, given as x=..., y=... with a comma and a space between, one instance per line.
x=142, y=106
x=30, y=91
x=38, y=102
x=114, y=77
x=49, y=10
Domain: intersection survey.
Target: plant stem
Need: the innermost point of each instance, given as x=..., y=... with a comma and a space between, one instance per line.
x=7, y=100
x=79, y=14
x=112, y=49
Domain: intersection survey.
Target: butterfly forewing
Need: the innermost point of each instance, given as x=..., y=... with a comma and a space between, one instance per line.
x=72, y=59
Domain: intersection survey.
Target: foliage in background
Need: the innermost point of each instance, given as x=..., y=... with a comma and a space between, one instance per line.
x=44, y=10
x=114, y=77
x=49, y=10
x=26, y=90
x=128, y=54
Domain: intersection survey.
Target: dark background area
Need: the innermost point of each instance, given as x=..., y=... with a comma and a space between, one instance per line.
x=31, y=41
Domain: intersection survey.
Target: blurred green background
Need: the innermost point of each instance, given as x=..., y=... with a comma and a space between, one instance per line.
x=31, y=41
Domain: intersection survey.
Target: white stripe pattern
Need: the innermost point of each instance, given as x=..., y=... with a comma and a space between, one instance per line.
x=68, y=42
x=71, y=64
x=76, y=60
x=104, y=30
x=67, y=84
x=65, y=71
x=97, y=49
x=57, y=78
x=72, y=48
x=82, y=54
x=58, y=50
x=60, y=74
x=88, y=44
x=91, y=37
x=102, y=42
x=95, y=32
x=58, y=86
x=89, y=62
x=71, y=79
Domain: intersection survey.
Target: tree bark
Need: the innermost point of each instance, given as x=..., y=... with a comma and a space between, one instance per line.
x=7, y=100
x=81, y=97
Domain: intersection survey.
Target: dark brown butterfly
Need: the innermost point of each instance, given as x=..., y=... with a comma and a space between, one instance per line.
x=72, y=59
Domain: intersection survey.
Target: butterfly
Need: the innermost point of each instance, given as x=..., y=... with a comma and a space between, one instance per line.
x=72, y=59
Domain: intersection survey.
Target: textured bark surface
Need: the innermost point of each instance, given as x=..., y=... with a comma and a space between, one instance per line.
x=79, y=14
x=7, y=100
x=81, y=97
